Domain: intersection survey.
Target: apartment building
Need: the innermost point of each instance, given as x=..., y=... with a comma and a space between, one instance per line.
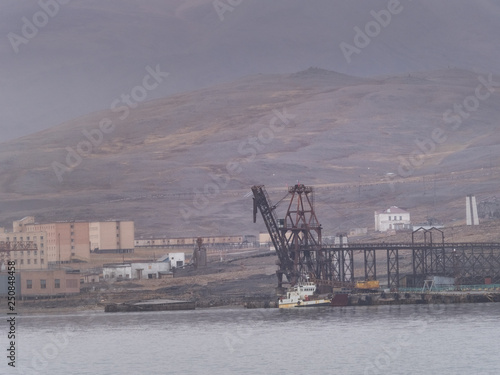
x=33, y=254
x=64, y=242
x=112, y=236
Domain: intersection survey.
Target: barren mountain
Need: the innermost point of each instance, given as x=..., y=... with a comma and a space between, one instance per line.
x=63, y=61
x=183, y=165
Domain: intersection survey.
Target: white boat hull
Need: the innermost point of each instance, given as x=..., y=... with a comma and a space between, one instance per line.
x=310, y=303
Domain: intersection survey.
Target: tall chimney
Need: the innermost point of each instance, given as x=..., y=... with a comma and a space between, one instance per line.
x=471, y=210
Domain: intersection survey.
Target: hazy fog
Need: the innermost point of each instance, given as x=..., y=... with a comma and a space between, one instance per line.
x=85, y=54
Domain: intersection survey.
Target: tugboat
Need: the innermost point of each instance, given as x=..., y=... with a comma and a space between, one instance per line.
x=302, y=295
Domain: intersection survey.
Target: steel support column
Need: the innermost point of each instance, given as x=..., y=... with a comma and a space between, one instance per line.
x=348, y=263
x=393, y=269
x=370, y=264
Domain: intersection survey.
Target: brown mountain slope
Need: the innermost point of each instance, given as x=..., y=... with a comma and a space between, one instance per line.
x=183, y=165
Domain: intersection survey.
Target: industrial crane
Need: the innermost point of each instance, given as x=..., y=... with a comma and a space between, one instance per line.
x=297, y=237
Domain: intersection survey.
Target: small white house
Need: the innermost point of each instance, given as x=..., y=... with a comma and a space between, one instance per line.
x=393, y=218
x=117, y=271
x=150, y=270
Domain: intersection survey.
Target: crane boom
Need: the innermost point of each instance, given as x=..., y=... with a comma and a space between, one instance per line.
x=263, y=204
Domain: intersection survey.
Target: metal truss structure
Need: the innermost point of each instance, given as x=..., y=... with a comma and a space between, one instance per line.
x=7, y=247
x=297, y=240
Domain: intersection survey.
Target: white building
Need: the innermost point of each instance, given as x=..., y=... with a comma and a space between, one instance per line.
x=394, y=218
x=151, y=270
x=135, y=270
x=144, y=270
x=117, y=271
x=177, y=260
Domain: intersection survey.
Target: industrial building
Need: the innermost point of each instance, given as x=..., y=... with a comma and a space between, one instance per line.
x=49, y=283
x=144, y=270
x=43, y=283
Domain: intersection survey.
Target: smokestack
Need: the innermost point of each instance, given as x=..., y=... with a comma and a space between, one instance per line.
x=471, y=210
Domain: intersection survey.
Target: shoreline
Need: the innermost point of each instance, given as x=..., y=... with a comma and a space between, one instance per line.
x=41, y=307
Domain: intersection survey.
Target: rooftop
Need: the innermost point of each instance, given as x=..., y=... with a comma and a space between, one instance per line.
x=392, y=210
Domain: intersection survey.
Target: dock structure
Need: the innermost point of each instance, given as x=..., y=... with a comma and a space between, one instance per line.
x=468, y=263
x=301, y=254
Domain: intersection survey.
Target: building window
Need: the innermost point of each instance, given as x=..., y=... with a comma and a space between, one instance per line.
x=29, y=284
x=22, y=261
x=41, y=261
x=34, y=261
x=389, y=218
x=43, y=284
x=29, y=253
x=27, y=238
x=41, y=252
x=57, y=283
x=29, y=261
x=401, y=218
x=35, y=252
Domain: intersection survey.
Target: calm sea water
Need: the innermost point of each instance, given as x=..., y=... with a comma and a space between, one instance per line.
x=451, y=339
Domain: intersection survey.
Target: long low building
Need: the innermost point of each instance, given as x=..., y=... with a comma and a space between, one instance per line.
x=191, y=241
x=42, y=283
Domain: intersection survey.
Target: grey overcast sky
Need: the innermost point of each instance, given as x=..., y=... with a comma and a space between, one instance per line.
x=61, y=59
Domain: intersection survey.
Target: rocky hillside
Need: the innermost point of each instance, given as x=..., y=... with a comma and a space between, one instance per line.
x=183, y=165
